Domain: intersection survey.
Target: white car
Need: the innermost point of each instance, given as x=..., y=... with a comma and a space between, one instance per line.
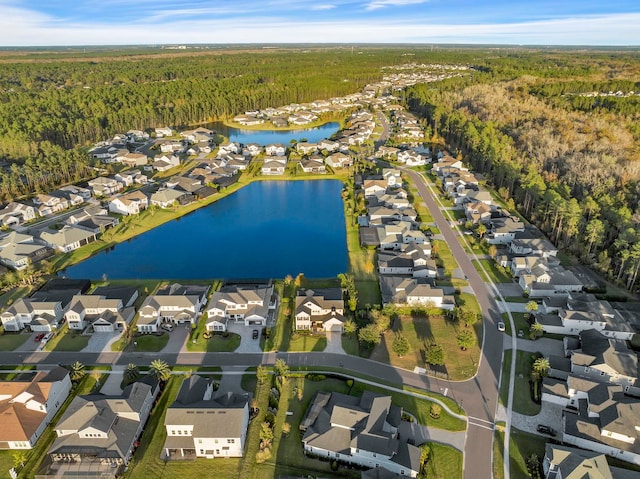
x=501, y=326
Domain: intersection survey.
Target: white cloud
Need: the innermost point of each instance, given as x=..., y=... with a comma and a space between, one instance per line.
x=323, y=7
x=377, y=4
x=22, y=27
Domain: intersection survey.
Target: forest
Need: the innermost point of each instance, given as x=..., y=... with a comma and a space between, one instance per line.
x=572, y=171
x=555, y=131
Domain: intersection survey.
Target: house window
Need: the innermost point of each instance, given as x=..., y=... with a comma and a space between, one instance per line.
x=199, y=441
x=231, y=441
x=601, y=373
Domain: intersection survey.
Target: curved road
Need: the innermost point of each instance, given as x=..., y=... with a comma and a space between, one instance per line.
x=478, y=395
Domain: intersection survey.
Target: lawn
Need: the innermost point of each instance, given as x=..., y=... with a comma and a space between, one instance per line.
x=69, y=341
x=8, y=298
x=522, y=402
x=305, y=342
x=150, y=343
x=350, y=344
x=521, y=446
x=422, y=330
x=498, y=455
x=444, y=256
x=445, y=462
x=278, y=339
x=10, y=341
x=219, y=343
x=496, y=274
x=417, y=406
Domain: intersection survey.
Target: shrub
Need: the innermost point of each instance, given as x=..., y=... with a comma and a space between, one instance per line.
x=334, y=465
x=350, y=382
x=435, y=411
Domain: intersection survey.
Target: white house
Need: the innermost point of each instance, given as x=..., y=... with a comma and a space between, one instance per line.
x=249, y=304
x=275, y=149
x=129, y=204
x=17, y=213
x=172, y=309
x=105, y=315
x=37, y=315
x=320, y=310
x=274, y=165
x=68, y=238
x=204, y=423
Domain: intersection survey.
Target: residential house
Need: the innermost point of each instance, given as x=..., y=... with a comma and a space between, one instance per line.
x=166, y=197
x=172, y=309
x=103, y=186
x=27, y=406
x=137, y=135
x=249, y=304
x=604, y=359
x=388, y=152
x=503, y=230
x=204, y=423
x=199, y=134
x=393, y=236
x=94, y=219
x=102, y=431
x=562, y=462
x=67, y=194
x=85, y=193
x=165, y=162
x=362, y=431
x=163, y=131
x=274, y=165
x=130, y=204
x=328, y=145
x=403, y=291
x=339, y=160
x=102, y=314
x=49, y=205
x=171, y=146
x=412, y=261
x=374, y=187
x=275, y=149
x=312, y=165
x=553, y=282
x=411, y=158
x=134, y=159
x=238, y=162
x=131, y=177
x=532, y=246
x=19, y=250
x=393, y=177
x=599, y=417
x=446, y=163
x=320, y=310
x=381, y=213
x=68, y=238
x=17, y=213
x=305, y=148
x=41, y=316
x=253, y=149
x=477, y=212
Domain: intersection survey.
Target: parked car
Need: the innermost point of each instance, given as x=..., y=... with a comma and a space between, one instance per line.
x=255, y=334
x=546, y=430
x=39, y=337
x=167, y=327
x=501, y=326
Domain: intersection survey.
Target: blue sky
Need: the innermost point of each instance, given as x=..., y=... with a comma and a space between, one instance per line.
x=113, y=22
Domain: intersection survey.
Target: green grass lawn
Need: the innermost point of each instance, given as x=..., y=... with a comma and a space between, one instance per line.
x=445, y=462
x=150, y=343
x=522, y=402
x=281, y=333
x=496, y=274
x=302, y=342
x=8, y=298
x=71, y=341
x=498, y=455
x=10, y=341
x=221, y=344
x=521, y=446
x=444, y=255
x=350, y=344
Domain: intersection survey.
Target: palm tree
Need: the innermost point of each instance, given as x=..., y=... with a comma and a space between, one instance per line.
x=532, y=307
x=160, y=370
x=541, y=367
x=536, y=331
x=131, y=373
x=77, y=371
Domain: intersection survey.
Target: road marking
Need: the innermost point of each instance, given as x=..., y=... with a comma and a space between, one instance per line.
x=478, y=419
x=445, y=391
x=490, y=428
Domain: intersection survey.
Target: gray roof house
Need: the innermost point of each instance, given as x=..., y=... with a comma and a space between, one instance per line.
x=101, y=430
x=37, y=315
x=68, y=238
x=19, y=250
x=361, y=431
x=174, y=309
x=102, y=314
x=320, y=310
x=205, y=423
x=562, y=462
x=251, y=304
x=166, y=197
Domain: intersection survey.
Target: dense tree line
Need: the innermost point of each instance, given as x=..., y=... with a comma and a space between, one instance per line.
x=575, y=175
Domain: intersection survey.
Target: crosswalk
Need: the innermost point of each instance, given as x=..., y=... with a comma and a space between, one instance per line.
x=476, y=421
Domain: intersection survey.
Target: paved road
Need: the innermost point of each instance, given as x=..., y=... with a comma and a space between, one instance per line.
x=478, y=396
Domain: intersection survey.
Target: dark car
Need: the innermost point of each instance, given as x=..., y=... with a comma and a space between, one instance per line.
x=255, y=334
x=546, y=430
x=39, y=337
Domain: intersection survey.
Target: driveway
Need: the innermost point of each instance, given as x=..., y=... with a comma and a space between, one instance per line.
x=177, y=338
x=334, y=343
x=550, y=415
x=247, y=343
x=99, y=342
x=30, y=344
x=112, y=385
x=546, y=346
x=419, y=434
x=509, y=289
x=231, y=380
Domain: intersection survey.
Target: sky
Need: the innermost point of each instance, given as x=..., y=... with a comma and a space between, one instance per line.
x=145, y=22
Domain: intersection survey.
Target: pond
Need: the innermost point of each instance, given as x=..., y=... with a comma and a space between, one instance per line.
x=266, y=137
x=268, y=229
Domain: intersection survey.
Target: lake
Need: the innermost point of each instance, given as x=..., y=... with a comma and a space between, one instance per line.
x=268, y=229
x=266, y=137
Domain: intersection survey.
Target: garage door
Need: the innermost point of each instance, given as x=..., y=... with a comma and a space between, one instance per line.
x=103, y=329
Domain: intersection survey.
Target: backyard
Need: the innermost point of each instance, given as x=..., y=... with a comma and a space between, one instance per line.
x=522, y=402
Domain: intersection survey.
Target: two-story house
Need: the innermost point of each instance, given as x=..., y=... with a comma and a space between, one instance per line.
x=320, y=310
x=250, y=304
x=130, y=204
x=104, y=315
x=27, y=406
x=41, y=316
x=204, y=423
x=168, y=308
